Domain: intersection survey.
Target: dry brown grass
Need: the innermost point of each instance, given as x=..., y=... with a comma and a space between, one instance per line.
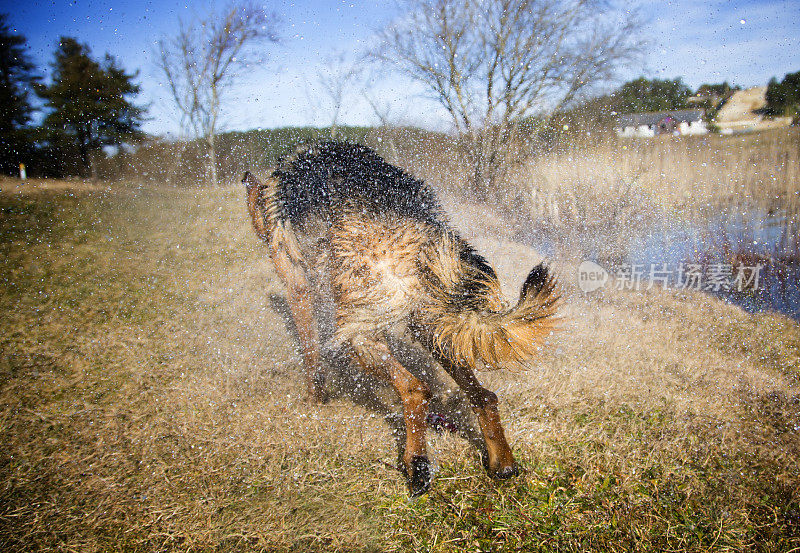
x=612, y=181
x=10, y=186
x=151, y=399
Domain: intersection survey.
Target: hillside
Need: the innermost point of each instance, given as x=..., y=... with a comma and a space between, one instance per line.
x=742, y=112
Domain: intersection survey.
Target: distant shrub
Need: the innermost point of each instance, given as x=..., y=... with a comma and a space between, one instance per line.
x=783, y=98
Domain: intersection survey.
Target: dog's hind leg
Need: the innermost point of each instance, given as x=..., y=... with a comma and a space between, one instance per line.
x=376, y=357
x=300, y=300
x=500, y=461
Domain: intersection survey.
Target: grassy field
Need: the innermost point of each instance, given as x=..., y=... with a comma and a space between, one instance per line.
x=151, y=399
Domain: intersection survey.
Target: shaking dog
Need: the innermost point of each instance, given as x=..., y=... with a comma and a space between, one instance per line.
x=342, y=226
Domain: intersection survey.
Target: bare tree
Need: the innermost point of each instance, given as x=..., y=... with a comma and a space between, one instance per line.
x=383, y=113
x=336, y=79
x=491, y=63
x=203, y=61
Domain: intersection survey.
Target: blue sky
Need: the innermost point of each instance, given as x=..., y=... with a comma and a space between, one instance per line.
x=745, y=42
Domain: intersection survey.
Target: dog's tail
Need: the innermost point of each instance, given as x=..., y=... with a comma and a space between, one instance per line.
x=468, y=316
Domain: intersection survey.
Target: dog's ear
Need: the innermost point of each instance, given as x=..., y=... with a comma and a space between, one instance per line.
x=250, y=181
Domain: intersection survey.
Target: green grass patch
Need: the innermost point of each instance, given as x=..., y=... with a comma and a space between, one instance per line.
x=594, y=494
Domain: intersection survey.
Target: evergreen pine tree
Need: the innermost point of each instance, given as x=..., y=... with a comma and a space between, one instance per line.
x=88, y=104
x=17, y=76
x=642, y=95
x=783, y=98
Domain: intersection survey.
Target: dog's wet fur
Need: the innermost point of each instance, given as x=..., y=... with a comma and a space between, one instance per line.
x=370, y=262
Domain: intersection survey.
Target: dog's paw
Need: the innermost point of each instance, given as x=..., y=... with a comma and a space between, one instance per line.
x=419, y=479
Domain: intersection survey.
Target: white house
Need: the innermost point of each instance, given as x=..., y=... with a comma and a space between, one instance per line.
x=676, y=122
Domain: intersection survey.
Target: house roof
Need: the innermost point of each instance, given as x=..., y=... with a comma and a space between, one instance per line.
x=654, y=118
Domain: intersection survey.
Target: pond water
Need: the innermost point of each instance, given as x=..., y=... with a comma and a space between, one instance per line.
x=750, y=259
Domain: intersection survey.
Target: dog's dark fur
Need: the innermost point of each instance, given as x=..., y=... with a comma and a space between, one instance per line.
x=344, y=227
